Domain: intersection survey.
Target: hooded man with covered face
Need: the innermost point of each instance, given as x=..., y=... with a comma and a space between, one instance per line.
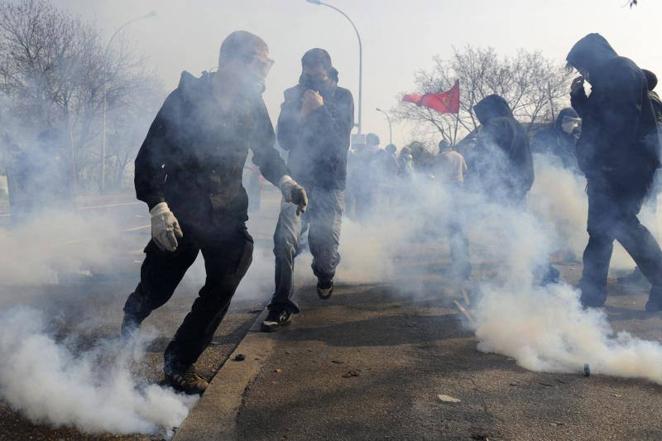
x=500, y=164
x=314, y=126
x=189, y=172
x=560, y=139
x=618, y=153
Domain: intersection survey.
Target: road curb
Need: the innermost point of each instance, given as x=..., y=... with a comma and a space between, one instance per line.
x=214, y=417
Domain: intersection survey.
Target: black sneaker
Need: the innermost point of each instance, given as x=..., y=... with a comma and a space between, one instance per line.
x=276, y=319
x=187, y=381
x=324, y=289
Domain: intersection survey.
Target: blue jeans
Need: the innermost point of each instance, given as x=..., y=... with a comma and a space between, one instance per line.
x=322, y=220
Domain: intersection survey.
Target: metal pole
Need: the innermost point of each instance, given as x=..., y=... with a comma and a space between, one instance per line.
x=390, y=127
x=358, y=36
x=103, y=140
x=105, y=96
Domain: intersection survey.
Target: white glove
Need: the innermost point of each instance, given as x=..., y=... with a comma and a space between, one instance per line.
x=165, y=228
x=293, y=193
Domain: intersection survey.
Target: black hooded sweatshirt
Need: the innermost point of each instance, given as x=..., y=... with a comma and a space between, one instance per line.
x=502, y=161
x=553, y=140
x=195, y=151
x=619, y=144
x=317, y=145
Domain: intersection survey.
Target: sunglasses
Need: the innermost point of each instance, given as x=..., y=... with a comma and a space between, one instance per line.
x=262, y=62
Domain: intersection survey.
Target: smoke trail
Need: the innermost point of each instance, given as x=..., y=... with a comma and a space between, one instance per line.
x=545, y=328
x=93, y=390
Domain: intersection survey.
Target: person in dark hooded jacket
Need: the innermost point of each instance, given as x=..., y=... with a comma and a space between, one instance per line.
x=314, y=126
x=618, y=153
x=651, y=80
x=500, y=163
x=189, y=172
x=560, y=139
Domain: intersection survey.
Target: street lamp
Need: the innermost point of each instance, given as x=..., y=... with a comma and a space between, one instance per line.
x=319, y=2
x=105, y=94
x=390, y=128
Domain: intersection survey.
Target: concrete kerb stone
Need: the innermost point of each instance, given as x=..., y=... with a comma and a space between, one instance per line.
x=214, y=417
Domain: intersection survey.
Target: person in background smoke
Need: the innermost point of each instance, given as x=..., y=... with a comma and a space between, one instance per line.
x=452, y=168
x=560, y=139
x=405, y=163
x=384, y=172
x=362, y=176
x=424, y=161
x=651, y=81
x=503, y=167
x=314, y=126
x=618, y=152
x=637, y=276
x=372, y=142
x=189, y=172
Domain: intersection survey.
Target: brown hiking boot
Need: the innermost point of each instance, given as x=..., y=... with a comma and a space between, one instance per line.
x=187, y=381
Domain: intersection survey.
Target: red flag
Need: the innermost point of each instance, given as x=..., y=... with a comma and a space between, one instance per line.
x=442, y=102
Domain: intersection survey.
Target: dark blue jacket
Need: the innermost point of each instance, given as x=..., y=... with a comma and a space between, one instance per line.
x=318, y=145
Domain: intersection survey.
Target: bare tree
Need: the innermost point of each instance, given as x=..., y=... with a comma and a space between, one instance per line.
x=534, y=86
x=54, y=72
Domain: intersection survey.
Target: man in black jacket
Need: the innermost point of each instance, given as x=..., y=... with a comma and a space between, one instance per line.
x=618, y=153
x=314, y=127
x=189, y=172
x=500, y=164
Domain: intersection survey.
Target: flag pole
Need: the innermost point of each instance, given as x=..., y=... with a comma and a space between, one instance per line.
x=457, y=116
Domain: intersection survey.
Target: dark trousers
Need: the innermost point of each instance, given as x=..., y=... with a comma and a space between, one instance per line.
x=322, y=220
x=227, y=258
x=613, y=216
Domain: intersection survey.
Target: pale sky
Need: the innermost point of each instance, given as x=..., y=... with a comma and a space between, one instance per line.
x=399, y=36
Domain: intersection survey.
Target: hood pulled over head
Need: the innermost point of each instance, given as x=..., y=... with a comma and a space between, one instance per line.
x=565, y=115
x=590, y=52
x=492, y=106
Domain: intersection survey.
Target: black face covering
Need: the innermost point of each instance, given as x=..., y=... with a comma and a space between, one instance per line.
x=316, y=84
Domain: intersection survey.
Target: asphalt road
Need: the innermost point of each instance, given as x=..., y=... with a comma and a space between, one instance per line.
x=370, y=364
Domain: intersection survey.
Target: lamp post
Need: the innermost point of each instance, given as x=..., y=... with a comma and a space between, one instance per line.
x=319, y=2
x=390, y=127
x=105, y=95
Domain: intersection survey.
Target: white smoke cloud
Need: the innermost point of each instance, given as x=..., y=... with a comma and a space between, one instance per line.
x=92, y=390
x=544, y=328
x=56, y=243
